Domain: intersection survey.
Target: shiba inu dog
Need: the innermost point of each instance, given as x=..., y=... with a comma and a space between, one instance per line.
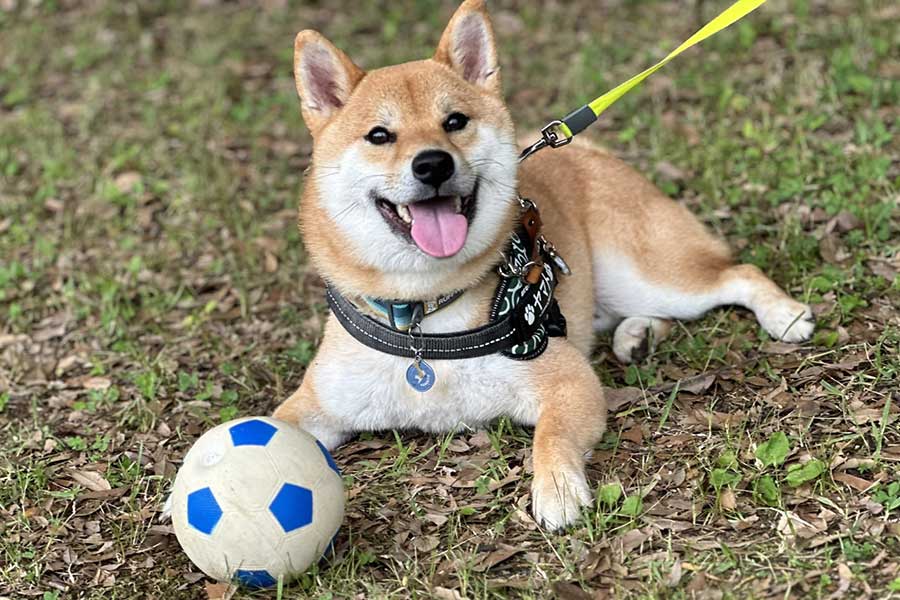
x=412, y=196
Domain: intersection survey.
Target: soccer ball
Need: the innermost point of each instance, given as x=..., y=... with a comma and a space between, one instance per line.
x=256, y=499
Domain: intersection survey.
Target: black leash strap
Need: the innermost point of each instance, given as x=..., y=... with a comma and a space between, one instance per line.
x=481, y=341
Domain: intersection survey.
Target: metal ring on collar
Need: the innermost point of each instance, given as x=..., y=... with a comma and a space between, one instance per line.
x=508, y=271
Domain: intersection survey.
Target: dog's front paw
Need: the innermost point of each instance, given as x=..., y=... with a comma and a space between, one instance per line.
x=788, y=320
x=558, y=496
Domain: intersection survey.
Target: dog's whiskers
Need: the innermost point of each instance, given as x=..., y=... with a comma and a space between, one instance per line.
x=345, y=212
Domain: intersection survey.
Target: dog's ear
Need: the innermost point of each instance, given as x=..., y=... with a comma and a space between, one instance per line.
x=324, y=76
x=467, y=46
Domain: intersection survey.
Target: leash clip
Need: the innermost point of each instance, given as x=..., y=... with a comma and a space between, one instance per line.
x=552, y=136
x=538, y=145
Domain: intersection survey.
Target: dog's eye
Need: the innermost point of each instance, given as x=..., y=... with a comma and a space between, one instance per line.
x=455, y=122
x=379, y=136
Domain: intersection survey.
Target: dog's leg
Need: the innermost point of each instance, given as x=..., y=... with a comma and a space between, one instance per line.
x=571, y=421
x=687, y=290
x=302, y=408
x=635, y=337
x=780, y=315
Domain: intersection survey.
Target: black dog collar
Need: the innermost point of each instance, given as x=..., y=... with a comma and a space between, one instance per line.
x=524, y=313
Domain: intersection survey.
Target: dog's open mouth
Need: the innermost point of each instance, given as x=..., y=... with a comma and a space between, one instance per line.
x=438, y=226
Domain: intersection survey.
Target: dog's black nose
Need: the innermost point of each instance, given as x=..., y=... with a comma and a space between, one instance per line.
x=433, y=167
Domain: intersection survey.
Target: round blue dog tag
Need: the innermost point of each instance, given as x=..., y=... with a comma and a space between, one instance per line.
x=420, y=376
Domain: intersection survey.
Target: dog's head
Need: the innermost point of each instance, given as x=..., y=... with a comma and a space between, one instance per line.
x=412, y=186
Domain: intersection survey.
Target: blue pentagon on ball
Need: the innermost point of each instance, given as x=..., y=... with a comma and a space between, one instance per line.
x=203, y=512
x=328, y=458
x=255, y=579
x=292, y=507
x=252, y=433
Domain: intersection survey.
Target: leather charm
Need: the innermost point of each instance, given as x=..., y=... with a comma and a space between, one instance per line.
x=531, y=221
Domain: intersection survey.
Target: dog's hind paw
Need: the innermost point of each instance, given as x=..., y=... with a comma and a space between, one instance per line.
x=636, y=337
x=558, y=497
x=788, y=320
x=631, y=341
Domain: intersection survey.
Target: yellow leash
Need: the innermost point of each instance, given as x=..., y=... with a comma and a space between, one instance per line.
x=560, y=132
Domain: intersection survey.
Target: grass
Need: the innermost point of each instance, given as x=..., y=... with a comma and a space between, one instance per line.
x=153, y=284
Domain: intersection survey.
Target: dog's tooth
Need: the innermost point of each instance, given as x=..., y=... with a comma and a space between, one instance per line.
x=403, y=213
x=457, y=204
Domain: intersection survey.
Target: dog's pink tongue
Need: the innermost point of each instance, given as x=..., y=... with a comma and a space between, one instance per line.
x=437, y=229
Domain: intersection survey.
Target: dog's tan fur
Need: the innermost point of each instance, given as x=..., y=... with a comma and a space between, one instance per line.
x=618, y=233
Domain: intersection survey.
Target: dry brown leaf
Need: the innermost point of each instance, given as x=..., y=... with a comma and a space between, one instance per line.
x=634, y=435
x=617, y=398
x=54, y=205
x=867, y=415
x=8, y=339
x=458, y=445
x=831, y=250
x=674, y=577
x=126, y=181
x=91, y=480
x=96, y=383
x=66, y=363
x=727, y=499
x=791, y=524
x=713, y=419
x=426, y=543
x=671, y=525
x=856, y=463
x=496, y=557
x=480, y=439
x=220, y=591
x=633, y=539
x=883, y=269
x=698, y=583
x=49, y=333
x=678, y=439
x=271, y=262
x=697, y=385
x=436, y=519
x=777, y=392
x=569, y=591
x=443, y=593
x=511, y=477
x=745, y=523
x=779, y=348
x=669, y=171
x=594, y=564
x=846, y=577
x=857, y=483
x=844, y=221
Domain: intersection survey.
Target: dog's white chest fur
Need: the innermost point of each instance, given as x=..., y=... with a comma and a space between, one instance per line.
x=368, y=389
